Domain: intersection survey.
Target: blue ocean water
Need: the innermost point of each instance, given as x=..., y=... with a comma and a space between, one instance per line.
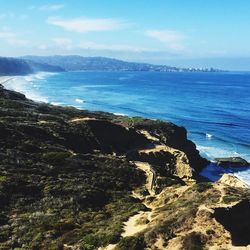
x=214, y=107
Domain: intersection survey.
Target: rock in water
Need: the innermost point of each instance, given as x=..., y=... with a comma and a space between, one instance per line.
x=232, y=162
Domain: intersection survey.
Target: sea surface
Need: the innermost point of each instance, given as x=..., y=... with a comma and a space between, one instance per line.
x=213, y=107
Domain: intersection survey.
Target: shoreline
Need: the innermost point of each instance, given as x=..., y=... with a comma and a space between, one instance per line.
x=96, y=168
x=5, y=79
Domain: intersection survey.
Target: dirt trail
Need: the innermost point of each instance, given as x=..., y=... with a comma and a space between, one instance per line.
x=108, y=247
x=142, y=219
x=131, y=227
x=82, y=119
x=150, y=175
x=134, y=224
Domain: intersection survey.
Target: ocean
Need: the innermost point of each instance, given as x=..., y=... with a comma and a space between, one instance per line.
x=213, y=107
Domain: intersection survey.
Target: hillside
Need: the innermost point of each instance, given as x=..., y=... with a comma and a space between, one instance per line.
x=78, y=63
x=36, y=67
x=74, y=179
x=14, y=66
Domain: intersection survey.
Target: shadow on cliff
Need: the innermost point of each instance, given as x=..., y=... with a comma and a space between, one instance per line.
x=236, y=220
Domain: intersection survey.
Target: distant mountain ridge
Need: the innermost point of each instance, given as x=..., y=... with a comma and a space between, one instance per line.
x=16, y=66
x=79, y=63
x=13, y=66
x=32, y=64
x=36, y=66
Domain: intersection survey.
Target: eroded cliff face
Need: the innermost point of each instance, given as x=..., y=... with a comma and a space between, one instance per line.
x=74, y=179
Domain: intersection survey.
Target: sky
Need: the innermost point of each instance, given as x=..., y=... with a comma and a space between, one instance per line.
x=193, y=33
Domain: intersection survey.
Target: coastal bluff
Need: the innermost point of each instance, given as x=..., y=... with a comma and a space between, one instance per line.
x=75, y=179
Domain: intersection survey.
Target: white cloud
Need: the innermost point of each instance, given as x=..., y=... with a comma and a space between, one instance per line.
x=43, y=47
x=69, y=44
x=7, y=35
x=51, y=7
x=12, y=38
x=172, y=39
x=18, y=42
x=83, y=25
x=111, y=47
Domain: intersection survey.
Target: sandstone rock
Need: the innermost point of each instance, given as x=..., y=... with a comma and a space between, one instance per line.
x=232, y=181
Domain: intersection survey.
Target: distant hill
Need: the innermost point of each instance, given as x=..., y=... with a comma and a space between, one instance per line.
x=13, y=66
x=32, y=64
x=79, y=63
x=35, y=66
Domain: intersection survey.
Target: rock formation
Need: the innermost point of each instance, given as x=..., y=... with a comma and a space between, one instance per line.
x=232, y=162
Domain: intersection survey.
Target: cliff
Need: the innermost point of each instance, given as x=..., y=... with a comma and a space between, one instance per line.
x=74, y=179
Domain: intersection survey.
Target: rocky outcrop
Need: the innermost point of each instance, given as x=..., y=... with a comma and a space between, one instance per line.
x=232, y=181
x=170, y=135
x=232, y=162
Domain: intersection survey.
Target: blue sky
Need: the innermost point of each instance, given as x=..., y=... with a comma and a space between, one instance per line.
x=177, y=32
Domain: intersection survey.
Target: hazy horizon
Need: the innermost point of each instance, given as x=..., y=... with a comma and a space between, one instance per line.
x=182, y=34
x=231, y=64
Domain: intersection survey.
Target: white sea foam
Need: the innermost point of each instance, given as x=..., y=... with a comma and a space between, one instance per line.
x=244, y=176
x=121, y=114
x=214, y=172
x=126, y=77
x=26, y=86
x=78, y=100
x=209, y=136
x=57, y=103
x=123, y=78
x=38, y=76
x=214, y=152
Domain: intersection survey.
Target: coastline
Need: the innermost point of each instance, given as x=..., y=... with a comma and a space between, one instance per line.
x=5, y=79
x=52, y=149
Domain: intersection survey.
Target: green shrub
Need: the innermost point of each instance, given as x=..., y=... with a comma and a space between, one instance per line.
x=131, y=243
x=194, y=241
x=3, y=179
x=89, y=242
x=56, y=157
x=203, y=186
